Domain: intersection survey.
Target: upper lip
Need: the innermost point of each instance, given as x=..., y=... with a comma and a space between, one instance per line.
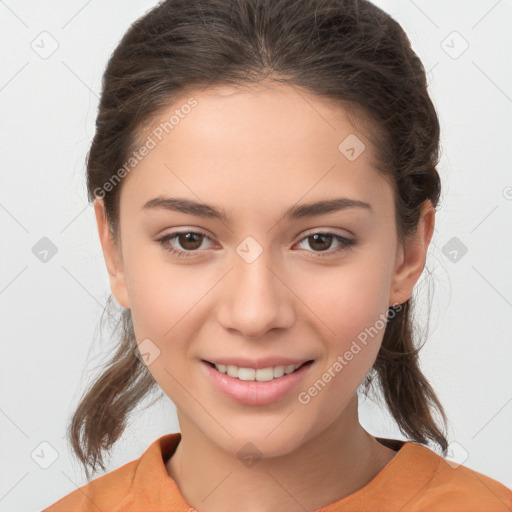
x=266, y=362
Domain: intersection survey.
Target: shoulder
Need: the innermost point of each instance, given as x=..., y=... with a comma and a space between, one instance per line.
x=454, y=487
x=127, y=486
x=103, y=493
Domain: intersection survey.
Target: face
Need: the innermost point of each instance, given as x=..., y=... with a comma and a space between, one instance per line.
x=272, y=282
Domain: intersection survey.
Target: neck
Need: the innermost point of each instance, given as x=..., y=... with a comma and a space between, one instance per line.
x=337, y=462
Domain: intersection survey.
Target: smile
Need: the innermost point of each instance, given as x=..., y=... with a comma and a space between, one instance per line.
x=255, y=386
x=260, y=374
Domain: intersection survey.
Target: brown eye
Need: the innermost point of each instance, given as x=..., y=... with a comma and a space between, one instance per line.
x=321, y=241
x=189, y=241
x=183, y=244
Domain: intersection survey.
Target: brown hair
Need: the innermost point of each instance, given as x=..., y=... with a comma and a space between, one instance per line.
x=348, y=51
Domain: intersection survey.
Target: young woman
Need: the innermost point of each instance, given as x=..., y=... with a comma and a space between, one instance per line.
x=264, y=181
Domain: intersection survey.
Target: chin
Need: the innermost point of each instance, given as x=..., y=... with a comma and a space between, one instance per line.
x=256, y=442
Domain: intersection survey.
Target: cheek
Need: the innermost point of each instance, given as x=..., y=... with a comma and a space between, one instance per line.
x=352, y=312
x=161, y=293
x=348, y=299
x=164, y=305
x=168, y=304
x=349, y=303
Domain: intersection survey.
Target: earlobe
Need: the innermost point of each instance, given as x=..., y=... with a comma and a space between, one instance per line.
x=411, y=258
x=112, y=256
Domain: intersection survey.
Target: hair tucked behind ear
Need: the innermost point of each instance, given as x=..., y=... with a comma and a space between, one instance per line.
x=348, y=51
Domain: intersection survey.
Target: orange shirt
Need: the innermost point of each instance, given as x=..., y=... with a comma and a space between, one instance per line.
x=416, y=479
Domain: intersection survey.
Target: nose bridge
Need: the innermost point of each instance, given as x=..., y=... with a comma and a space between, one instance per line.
x=258, y=299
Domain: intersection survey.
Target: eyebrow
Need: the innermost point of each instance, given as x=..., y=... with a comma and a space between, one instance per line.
x=192, y=207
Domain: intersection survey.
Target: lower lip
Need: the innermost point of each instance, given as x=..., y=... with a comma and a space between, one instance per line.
x=256, y=392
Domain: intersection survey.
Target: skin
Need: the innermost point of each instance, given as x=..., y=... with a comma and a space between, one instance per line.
x=256, y=151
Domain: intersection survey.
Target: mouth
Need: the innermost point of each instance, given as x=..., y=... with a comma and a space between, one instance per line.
x=257, y=386
x=267, y=374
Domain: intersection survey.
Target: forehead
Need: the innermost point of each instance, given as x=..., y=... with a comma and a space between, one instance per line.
x=253, y=145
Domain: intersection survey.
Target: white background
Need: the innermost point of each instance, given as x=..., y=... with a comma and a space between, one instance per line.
x=50, y=312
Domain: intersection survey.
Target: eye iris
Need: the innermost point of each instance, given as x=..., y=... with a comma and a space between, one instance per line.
x=321, y=235
x=189, y=238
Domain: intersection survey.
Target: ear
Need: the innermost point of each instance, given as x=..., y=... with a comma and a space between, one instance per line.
x=112, y=255
x=411, y=258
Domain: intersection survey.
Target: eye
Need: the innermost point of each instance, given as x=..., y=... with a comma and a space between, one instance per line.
x=323, y=240
x=187, y=239
x=191, y=241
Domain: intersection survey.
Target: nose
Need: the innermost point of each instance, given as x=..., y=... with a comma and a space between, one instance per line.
x=257, y=298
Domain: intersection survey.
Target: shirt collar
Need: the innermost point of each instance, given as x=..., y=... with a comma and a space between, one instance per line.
x=153, y=487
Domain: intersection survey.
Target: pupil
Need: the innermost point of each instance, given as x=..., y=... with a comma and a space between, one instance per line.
x=319, y=235
x=189, y=239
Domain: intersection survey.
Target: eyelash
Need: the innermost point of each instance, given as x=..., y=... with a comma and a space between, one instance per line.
x=346, y=243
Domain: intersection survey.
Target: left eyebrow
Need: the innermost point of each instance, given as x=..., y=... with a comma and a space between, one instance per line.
x=192, y=207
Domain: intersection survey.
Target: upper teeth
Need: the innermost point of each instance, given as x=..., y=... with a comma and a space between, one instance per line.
x=261, y=374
